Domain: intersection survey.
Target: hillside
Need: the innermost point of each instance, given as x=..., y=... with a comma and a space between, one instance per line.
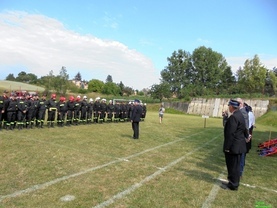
x=11, y=86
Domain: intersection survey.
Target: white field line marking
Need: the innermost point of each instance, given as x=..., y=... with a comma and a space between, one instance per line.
x=49, y=183
x=212, y=194
x=252, y=186
x=148, y=178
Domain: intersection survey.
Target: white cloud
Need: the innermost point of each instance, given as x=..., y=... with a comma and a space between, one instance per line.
x=40, y=44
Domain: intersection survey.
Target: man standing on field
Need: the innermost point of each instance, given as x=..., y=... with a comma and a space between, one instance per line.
x=135, y=118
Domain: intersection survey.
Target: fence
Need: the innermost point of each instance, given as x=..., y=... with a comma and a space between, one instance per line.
x=214, y=107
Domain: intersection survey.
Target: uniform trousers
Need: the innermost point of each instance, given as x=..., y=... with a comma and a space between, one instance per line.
x=233, y=168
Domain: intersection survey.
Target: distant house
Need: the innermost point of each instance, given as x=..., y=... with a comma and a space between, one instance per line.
x=81, y=84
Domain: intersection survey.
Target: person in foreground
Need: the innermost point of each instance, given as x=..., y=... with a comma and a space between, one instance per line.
x=235, y=135
x=135, y=118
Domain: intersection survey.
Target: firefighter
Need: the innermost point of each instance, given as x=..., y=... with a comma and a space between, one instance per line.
x=30, y=111
x=90, y=111
x=103, y=110
x=96, y=110
x=11, y=112
x=117, y=111
x=110, y=111
x=70, y=110
x=61, y=107
x=3, y=109
x=21, y=112
x=41, y=109
x=77, y=108
x=84, y=108
x=52, y=109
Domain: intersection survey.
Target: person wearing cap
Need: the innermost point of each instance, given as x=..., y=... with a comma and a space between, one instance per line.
x=135, y=118
x=90, y=111
x=235, y=135
x=11, y=112
x=21, y=112
x=242, y=108
x=41, y=111
x=110, y=111
x=96, y=109
x=84, y=109
x=52, y=110
x=77, y=110
x=3, y=106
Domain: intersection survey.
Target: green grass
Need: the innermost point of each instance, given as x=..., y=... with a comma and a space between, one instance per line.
x=173, y=164
x=12, y=86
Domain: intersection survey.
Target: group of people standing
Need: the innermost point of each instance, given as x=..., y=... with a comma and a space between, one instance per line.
x=238, y=130
x=29, y=110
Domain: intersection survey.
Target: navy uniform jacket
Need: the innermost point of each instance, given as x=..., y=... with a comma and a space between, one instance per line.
x=136, y=113
x=235, y=133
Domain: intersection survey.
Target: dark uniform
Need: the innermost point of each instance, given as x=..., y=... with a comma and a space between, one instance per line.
x=117, y=111
x=90, y=111
x=52, y=110
x=235, y=133
x=30, y=115
x=41, y=109
x=21, y=112
x=62, y=109
x=77, y=108
x=123, y=113
x=70, y=110
x=135, y=119
x=110, y=111
x=96, y=110
x=11, y=112
x=84, y=109
x=144, y=110
x=2, y=107
x=103, y=110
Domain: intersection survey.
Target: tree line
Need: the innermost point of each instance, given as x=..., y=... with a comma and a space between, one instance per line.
x=61, y=84
x=206, y=72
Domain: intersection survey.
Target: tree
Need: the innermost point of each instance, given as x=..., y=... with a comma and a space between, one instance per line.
x=95, y=85
x=110, y=88
x=109, y=79
x=160, y=91
x=78, y=77
x=61, y=81
x=10, y=77
x=178, y=71
x=208, y=68
x=252, y=77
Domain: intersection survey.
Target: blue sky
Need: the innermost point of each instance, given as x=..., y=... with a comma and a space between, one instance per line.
x=130, y=40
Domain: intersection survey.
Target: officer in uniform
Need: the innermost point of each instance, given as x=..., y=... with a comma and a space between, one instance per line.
x=135, y=118
x=21, y=112
x=90, y=111
x=77, y=108
x=11, y=112
x=117, y=111
x=84, y=109
x=96, y=109
x=42, y=106
x=70, y=104
x=110, y=111
x=61, y=107
x=103, y=110
x=2, y=107
x=52, y=109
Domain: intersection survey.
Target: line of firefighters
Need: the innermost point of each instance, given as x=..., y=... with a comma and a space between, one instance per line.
x=28, y=111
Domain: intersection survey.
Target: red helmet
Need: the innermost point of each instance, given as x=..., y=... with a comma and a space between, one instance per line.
x=53, y=96
x=71, y=98
x=62, y=99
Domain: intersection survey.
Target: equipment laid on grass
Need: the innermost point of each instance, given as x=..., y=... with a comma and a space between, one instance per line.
x=268, y=148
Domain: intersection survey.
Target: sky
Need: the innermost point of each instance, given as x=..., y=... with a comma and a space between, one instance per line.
x=130, y=40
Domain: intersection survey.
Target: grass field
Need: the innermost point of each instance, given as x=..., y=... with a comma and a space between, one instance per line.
x=11, y=86
x=173, y=164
